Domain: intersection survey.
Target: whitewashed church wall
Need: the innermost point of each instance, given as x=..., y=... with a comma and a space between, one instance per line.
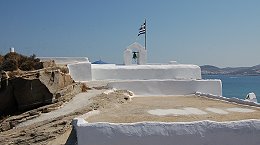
x=169, y=87
x=145, y=72
x=142, y=57
x=80, y=71
x=128, y=57
x=161, y=133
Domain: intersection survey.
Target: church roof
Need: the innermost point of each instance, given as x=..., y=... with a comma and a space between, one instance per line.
x=99, y=62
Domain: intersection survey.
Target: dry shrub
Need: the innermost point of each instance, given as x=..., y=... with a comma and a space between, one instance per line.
x=12, y=61
x=12, y=74
x=64, y=70
x=27, y=65
x=84, y=88
x=9, y=65
x=1, y=59
x=38, y=65
x=49, y=63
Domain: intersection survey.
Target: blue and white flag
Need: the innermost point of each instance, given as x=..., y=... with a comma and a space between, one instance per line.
x=142, y=29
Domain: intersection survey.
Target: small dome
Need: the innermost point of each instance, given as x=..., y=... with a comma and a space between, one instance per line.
x=99, y=62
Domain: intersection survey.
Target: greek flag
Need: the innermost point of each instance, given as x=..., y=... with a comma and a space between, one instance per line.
x=142, y=29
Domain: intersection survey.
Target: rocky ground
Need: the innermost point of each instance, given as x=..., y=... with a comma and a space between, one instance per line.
x=51, y=124
x=55, y=125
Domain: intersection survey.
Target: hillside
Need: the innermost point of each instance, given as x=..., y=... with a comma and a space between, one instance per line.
x=213, y=70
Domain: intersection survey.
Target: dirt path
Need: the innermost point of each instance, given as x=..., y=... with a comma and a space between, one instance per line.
x=79, y=101
x=43, y=132
x=55, y=127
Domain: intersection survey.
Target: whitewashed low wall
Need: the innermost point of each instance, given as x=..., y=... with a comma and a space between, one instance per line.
x=159, y=133
x=144, y=72
x=235, y=100
x=80, y=71
x=169, y=87
x=79, y=67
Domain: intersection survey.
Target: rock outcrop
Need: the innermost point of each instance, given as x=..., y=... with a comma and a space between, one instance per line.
x=31, y=93
x=27, y=90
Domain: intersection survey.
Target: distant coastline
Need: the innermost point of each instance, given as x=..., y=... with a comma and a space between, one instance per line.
x=244, y=71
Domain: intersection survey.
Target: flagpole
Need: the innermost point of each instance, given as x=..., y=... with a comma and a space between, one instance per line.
x=145, y=34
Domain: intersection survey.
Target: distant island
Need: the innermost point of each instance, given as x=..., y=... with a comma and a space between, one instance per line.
x=213, y=70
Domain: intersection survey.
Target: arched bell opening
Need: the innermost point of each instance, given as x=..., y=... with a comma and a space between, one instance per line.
x=135, y=54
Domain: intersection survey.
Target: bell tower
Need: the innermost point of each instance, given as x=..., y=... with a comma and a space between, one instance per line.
x=137, y=52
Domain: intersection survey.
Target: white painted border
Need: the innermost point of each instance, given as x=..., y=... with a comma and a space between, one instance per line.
x=235, y=100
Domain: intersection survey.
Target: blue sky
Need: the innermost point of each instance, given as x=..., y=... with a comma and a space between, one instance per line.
x=217, y=32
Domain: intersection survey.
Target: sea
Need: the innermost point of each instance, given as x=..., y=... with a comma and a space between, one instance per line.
x=237, y=86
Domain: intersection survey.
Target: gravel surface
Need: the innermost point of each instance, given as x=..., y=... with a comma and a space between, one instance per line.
x=175, y=109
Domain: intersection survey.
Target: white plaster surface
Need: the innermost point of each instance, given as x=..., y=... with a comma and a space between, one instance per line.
x=245, y=132
x=169, y=87
x=80, y=71
x=144, y=72
x=162, y=112
x=196, y=111
x=184, y=111
x=217, y=110
x=240, y=110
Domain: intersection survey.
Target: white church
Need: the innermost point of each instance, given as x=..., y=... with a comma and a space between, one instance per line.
x=144, y=78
